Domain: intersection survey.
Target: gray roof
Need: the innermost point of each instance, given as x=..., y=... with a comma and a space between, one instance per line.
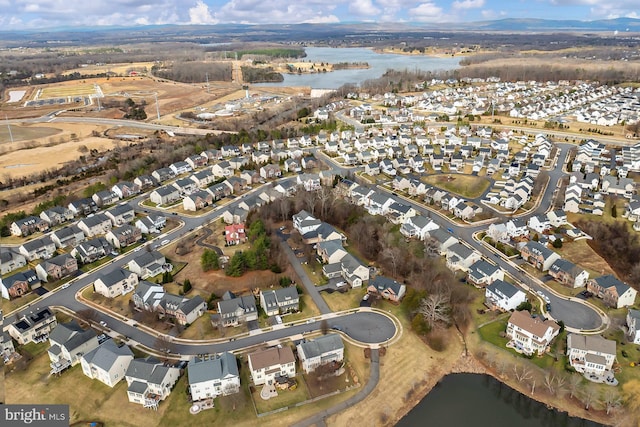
x=462, y=251
x=381, y=283
x=28, y=276
x=500, y=287
x=137, y=387
x=122, y=209
x=222, y=366
x=106, y=354
x=538, y=248
x=115, y=277
x=246, y=303
x=165, y=190
x=593, y=343
x=96, y=219
x=610, y=281
x=66, y=232
x=148, y=257
x=322, y=345
x=562, y=265
x=148, y=370
x=482, y=268
x=35, y=244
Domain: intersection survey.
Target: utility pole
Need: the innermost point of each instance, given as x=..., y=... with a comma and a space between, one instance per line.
x=155, y=94
x=9, y=127
x=207, y=76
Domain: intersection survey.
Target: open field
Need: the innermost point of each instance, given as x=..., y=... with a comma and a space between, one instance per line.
x=23, y=133
x=579, y=252
x=464, y=185
x=123, y=69
x=34, y=160
x=60, y=90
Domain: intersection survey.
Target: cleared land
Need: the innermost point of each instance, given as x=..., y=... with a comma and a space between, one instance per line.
x=23, y=133
x=580, y=253
x=63, y=91
x=464, y=185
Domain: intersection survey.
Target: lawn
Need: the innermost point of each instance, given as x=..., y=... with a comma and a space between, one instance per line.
x=284, y=398
x=338, y=301
x=307, y=309
x=464, y=185
x=95, y=264
x=17, y=303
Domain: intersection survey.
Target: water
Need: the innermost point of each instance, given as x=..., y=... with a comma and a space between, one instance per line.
x=379, y=63
x=471, y=400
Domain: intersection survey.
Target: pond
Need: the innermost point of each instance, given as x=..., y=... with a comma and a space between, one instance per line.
x=471, y=400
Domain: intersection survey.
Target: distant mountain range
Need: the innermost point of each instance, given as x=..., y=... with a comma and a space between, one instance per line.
x=281, y=32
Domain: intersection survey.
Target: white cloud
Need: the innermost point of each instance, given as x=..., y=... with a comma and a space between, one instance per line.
x=200, y=14
x=467, y=4
x=428, y=12
x=492, y=14
x=325, y=19
x=363, y=8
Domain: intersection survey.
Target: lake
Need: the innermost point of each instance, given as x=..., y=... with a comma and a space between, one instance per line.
x=472, y=400
x=379, y=63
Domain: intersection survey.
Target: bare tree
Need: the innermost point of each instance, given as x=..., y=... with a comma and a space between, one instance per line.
x=88, y=315
x=436, y=309
x=284, y=205
x=431, y=247
x=574, y=384
x=326, y=197
x=611, y=400
x=391, y=253
x=324, y=326
x=164, y=344
x=522, y=373
x=589, y=396
x=310, y=198
x=550, y=382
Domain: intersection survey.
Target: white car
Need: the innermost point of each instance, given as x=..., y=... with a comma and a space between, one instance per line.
x=341, y=284
x=65, y=286
x=165, y=242
x=103, y=323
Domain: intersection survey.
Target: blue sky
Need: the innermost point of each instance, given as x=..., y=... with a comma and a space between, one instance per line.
x=40, y=14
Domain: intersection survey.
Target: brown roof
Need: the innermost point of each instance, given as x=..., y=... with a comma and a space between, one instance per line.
x=271, y=357
x=534, y=325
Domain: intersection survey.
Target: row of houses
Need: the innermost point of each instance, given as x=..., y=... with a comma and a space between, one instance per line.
x=235, y=310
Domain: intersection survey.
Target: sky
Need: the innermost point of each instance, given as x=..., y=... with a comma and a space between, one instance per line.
x=46, y=14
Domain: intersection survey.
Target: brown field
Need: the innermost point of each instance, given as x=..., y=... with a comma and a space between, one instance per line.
x=114, y=68
x=27, y=162
x=69, y=89
x=579, y=252
x=23, y=133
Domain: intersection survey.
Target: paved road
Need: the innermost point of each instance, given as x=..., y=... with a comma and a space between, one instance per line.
x=309, y=286
x=374, y=376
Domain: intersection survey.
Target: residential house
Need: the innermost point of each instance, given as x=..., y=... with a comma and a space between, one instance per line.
x=250, y=177
x=120, y=215
x=84, y=206
x=331, y=251
x=123, y=236
x=557, y=218
x=28, y=225
x=234, y=234
x=162, y=174
x=41, y=248
x=212, y=154
x=418, y=226
x=353, y=271
x=151, y=297
x=213, y=377
x=164, y=195
x=203, y=178
x=236, y=310
x=266, y=365
x=482, y=273
x=69, y=236
x=57, y=215
x=197, y=200
x=387, y=288
x=270, y=171
x=539, y=255
x=503, y=296
x=144, y=182
x=185, y=186
x=308, y=181
x=530, y=335
x=461, y=257
x=115, y=283
x=235, y=215
x=107, y=363
x=95, y=225
x=591, y=354
x=105, y=197
x=280, y=301
x=149, y=381
x=34, y=326
x=222, y=169
x=151, y=224
x=67, y=343
x=442, y=240
x=92, y=250
x=633, y=326
x=178, y=168
x=148, y=264
x=568, y=274
x=11, y=260
x=197, y=161
x=18, y=284
x=613, y=292
x=125, y=189
x=57, y=267
x=322, y=350
x=539, y=223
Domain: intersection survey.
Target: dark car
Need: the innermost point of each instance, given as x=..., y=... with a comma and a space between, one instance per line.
x=547, y=306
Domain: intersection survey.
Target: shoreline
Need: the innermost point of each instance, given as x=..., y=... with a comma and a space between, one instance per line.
x=469, y=364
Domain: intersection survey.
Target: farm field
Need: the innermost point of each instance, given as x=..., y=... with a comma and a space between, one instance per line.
x=66, y=90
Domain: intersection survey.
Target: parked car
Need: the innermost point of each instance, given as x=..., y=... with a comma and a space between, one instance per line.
x=65, y=286
x=103, y=323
